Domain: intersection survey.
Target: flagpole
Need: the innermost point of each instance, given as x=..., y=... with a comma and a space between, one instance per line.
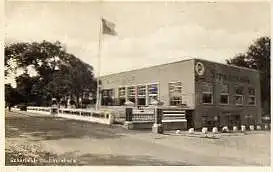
x=99, y=66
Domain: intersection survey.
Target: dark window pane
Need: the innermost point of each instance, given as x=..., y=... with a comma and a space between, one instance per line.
x=224, y=99
x=206, y=98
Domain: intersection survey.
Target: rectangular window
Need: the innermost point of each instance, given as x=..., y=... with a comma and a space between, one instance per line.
x=152, y=92
x=108, y=93
x=121, y=92
x=224, y=94
x=107, y=97
x=206, y=93
x=141, y=95
x=141, y=91
x=153, y=89
x=251, y=91
x=175, y=93
x=251, y=100
x=251, y=96
x=238, y=98
x=121, y=96
x=223, y=99
x=206, y=98
x=131, y=91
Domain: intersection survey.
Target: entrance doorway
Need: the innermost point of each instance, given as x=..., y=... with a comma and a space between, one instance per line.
x=190, y=118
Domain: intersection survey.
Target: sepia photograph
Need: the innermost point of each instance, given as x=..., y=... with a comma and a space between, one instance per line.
x=112, y=83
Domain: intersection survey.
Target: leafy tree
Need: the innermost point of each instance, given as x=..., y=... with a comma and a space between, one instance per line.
x=59, y=74
x=12, y=97
x=258, y=57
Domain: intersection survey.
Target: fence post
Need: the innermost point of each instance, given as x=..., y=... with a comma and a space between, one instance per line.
x=129, y=118
x=129, y=114
x=157, y=126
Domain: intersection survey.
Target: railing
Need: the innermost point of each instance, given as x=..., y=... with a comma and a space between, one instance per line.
x=157, y=118
x=143, y=115
x=172, y=115
x=41, y=110
x=103, y=116
x=148, y=115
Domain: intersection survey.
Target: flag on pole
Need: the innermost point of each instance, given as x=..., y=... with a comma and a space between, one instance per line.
x=108, y=27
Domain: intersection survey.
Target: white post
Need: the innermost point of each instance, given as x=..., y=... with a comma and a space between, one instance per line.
x=191, y=130
x=205, y=131
x=214, y=130
x=243, y=128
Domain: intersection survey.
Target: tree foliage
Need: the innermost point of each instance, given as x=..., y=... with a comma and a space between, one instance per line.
x=59, y=74
x=12, y=97
x=258, y=57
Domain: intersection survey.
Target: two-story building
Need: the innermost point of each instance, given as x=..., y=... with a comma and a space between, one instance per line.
x=218, y=94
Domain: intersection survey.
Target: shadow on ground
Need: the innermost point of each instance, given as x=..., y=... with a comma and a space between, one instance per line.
x=50, y=128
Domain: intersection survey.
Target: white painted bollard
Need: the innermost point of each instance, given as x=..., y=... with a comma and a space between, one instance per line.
x=251, y=127
x=177, y=132
x=225, y=129
x=111, y=119
x=204, y=130
x=235, y=129
x=243, y=128
x=258, y=127
x=266, y=126
x=214, y=130
x=191, y=130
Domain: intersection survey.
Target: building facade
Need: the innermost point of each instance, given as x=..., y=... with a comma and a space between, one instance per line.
x=218, y=94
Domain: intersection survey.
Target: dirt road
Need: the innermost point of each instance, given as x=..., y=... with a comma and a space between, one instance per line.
x=44, y=140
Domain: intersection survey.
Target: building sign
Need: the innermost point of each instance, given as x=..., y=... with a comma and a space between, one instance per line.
x=200, y=68
x=121, y=81
x=229, y=77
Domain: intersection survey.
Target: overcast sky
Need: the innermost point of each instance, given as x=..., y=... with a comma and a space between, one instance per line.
x=148, y=33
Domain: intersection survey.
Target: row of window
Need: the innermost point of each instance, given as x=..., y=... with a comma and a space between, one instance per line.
x=141, y=92
x=134, y=93
x=238, y=98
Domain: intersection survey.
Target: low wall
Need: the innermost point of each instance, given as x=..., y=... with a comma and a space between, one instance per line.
x=103, y=116
x=40, y=110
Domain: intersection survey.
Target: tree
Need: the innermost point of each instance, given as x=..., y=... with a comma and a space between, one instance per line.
x=59, y=74
x=258, y=57
x=12, y=97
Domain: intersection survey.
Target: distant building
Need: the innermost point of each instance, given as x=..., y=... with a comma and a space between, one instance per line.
x=218, y=94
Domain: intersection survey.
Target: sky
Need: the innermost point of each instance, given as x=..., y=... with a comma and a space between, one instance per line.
x=149, y=33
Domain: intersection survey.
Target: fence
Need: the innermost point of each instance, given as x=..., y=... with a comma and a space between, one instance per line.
x=145, y=118
x=172, y=119
x=40, y=110
x=103, y=117
x=174, y=116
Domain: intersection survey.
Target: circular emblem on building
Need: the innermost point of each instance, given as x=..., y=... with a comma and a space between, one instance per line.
x=199, y=68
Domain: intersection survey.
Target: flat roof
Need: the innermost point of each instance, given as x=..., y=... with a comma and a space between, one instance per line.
x=234, y=66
